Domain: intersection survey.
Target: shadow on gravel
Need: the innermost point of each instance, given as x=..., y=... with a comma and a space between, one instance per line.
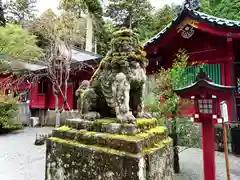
x=6, y=131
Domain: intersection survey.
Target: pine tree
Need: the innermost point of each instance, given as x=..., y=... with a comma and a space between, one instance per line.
x=2, y=18
x=19, y=11
x=129, y=13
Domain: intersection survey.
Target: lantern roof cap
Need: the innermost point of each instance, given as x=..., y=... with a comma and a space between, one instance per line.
x=203, y=81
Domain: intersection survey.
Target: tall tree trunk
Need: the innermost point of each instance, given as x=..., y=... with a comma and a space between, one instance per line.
x=130, y=22
x=65, y=93
x=56, y=93
x=130, y=18
x=174, y=136
x=2, y=18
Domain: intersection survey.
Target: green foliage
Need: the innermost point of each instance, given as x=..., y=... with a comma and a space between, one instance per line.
x=151, y=105
x=8, y=112
x=16, y=42
x=83, y=6
x=94, y=9
x=18, y=11
x=2, y=18
x=189, y=133
x=170, y=79
x=151, y=102
x=228, y=9
x=104, y=34
x=143, y=20
x=129, y=13
x=156, y=21
x=167, y=81
x=50, y=27
x=163, y=17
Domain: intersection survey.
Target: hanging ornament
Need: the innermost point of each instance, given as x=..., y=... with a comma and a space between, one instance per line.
x=187, y=32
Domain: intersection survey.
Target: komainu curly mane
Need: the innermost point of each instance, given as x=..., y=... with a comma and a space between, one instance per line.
x=116, y=88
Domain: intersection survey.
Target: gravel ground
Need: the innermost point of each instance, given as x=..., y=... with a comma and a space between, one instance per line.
x=20, y=159
x=192, y=168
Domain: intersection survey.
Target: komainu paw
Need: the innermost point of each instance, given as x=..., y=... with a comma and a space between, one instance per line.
x=127, y=118
x=144, y=115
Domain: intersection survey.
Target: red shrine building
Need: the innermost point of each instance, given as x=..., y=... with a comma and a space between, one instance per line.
x=208, y=40
x=38, y=96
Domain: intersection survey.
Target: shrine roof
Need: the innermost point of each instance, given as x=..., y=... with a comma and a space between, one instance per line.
x=78, y=56
x=81, y=55
x=212, y=20
x=205, y=83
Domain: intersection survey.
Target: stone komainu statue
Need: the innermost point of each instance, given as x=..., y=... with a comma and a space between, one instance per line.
x=79, y=93
x=116, y=88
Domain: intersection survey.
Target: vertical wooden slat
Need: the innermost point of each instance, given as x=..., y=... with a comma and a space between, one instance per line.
x=213, y=71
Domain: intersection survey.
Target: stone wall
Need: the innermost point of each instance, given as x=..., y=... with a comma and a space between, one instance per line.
x=81, y=154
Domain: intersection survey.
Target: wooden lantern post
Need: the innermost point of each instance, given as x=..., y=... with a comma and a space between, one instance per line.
x=224, y=113
x=206, y=107
x=206, y=96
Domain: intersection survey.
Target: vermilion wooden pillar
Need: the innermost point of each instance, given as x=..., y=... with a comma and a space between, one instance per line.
x=208, y=150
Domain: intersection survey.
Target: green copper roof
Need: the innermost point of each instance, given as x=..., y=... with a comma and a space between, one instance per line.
x=196, y=15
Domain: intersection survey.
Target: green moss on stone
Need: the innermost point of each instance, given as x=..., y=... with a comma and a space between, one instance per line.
x=123, y=32
x=145, y=121
x=105, y=121
x=90, y=133
x=136, y=137
x=139, y=121
x=104, y=149
x=139, y=136
x=158, y=129
x=157, y=146
x=161, y=144
x=64, y=128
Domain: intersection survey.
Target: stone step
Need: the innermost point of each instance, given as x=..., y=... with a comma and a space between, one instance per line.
x=128, y=143
x=111, y=125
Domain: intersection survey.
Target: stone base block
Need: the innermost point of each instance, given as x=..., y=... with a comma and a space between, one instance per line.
x=74, y=161
x=99, y=150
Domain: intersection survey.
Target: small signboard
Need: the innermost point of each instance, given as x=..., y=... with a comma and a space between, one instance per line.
x=224, y=111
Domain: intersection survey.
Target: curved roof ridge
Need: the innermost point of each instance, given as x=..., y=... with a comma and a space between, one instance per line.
x=211, y=16
x=199, y=15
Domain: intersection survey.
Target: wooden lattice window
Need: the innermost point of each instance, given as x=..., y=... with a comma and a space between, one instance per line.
x=205, y=106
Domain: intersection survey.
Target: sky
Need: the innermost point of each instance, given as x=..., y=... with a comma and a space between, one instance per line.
x=160, y=3
x=46, y=4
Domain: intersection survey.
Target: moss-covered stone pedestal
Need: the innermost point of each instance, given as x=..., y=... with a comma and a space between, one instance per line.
x=106, y=150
